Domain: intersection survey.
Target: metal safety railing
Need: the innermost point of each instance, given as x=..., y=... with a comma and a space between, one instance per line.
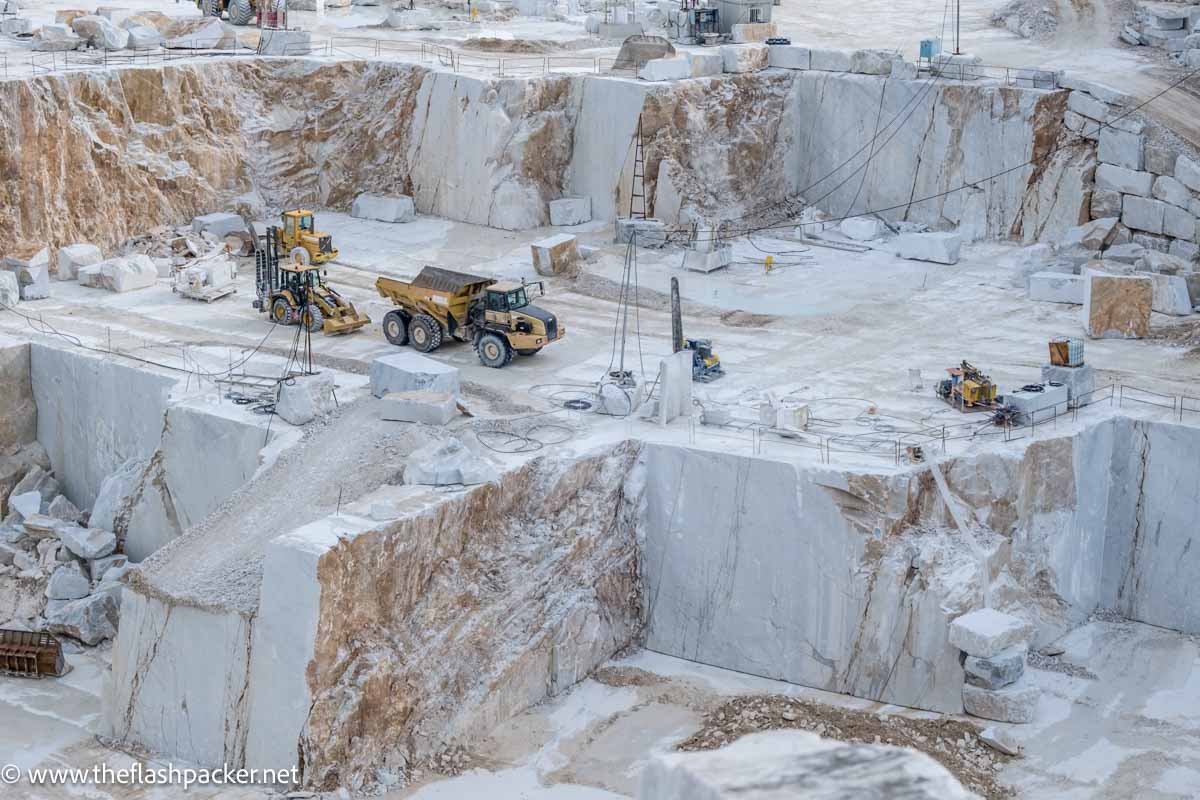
x=1023, y=77
x=830, y=447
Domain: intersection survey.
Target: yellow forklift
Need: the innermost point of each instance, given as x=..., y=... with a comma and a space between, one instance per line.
x=295, y=292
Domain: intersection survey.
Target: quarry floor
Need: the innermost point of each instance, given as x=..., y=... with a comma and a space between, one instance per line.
x=1132, y=730
x=839, y=330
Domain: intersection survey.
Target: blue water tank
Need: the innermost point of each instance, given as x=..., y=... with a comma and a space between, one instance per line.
x=931, y=48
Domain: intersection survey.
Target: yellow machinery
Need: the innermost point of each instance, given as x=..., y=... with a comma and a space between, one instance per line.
x=495, y=316
x=295, y=293
x=240, y=12
x=967, y=387
x=706, y=365
x=299, y=238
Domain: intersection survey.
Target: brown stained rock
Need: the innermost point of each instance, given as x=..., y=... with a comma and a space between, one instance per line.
x=1117, y=306
x=435, y=628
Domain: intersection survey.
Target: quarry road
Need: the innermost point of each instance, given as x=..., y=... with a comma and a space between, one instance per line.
x=218, y=562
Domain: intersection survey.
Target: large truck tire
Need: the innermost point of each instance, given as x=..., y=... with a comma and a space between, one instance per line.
x=424, y=333
x=395, y=328
x=493, y=350
x=241, y=12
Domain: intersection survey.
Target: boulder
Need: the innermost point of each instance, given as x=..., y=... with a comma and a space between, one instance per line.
x=68, y=582
x=1080, y=381
x=650, y=233
x=277, y=42
x=40, y=481
x=1116, y=306
x=940, y=248
x=1169, y=294
x=1179, y=223
x=74, y=256
x=1105, y=203
x=63, y=509
x=1187, y=172
x=410, y=20
x=791, y=765
x=219, y=224
x=100, y=32
x=91, y=619
x=16, y=26
x=305, y=398
x=428, y=408
x=398, y=208
x=744, y=57
x=871, y=62
x=56, y=38
x=1092, y=235
x=1126, y=253
x=42, y=526
x=789, y=56
x=706, y=64
x=26, y=504
x=445, y=463
x=144, y=37
x=1055, y=287
x=88, y=543
x=570, y=211
x=862, y=229
x=1016, y=703
x=829, y=60
x=109, y=567
x=998, y=671
x=204, y=33
x=115, y=496
x=407, y=371
x=10, y=289
x=1122, y=149
x=556, y=255
x=986, y=632
x=122, y=274
x=744, y=32
x=708, y=260
x=1170, y=190
x=666, y=69
x=1124, y=181
x=1154, y=261
x=1144, y=214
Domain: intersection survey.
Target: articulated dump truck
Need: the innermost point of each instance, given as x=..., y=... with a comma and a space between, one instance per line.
x=494, y=316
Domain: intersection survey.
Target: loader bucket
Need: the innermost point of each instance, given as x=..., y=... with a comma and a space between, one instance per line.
x=345, y=323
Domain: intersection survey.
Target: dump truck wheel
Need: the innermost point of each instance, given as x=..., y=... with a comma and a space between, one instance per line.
x=395, y=328
x=313, y=319
x=241, y=12
x=281, y=312
x=299, y=254
x=529, y=351
x=493, y=351
x=424, y=333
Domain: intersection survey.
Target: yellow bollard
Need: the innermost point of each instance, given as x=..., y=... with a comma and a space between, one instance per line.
x=768, y=264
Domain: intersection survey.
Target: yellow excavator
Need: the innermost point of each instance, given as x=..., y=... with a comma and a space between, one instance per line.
x=294, y=292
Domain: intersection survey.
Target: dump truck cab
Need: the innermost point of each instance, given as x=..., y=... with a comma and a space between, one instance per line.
x=301, y=241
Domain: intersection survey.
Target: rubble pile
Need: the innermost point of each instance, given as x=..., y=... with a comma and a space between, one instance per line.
x=956, y=745
x=56, y=572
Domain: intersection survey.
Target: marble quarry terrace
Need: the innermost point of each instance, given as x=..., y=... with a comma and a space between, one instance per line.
x=927, y=531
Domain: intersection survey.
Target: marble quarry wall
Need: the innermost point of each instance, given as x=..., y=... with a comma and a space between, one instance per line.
x=117, y=152
x=847, y=581
x=378, y=645
x=161, y=459
x=18, y=409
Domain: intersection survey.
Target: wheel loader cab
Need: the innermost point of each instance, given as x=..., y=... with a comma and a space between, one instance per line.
x=299, y=238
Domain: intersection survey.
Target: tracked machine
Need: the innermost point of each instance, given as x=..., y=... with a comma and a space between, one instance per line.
x=494, y=316
x=294, y=292
x=968, y=389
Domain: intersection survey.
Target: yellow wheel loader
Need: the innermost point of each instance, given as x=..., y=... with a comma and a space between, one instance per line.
x=300, y=240
x=295, y=293
x=495, y=316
